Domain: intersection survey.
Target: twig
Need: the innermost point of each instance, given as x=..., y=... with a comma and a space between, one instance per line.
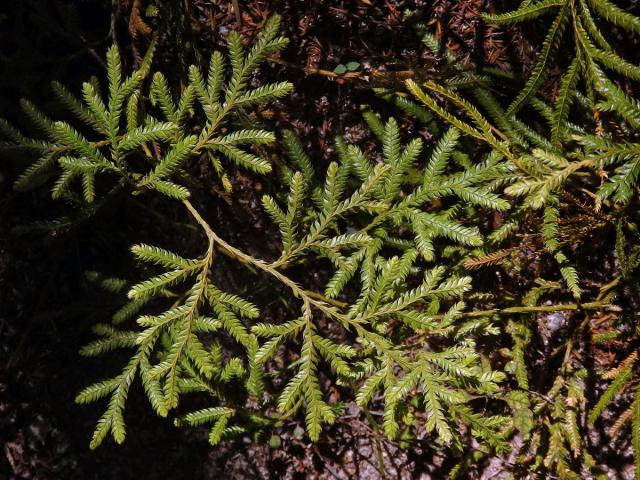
x=236, y=12
x=541, y=308
x=376, y=431
x=298, y=291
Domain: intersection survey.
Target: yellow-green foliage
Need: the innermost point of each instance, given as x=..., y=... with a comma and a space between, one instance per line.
x=400, y=325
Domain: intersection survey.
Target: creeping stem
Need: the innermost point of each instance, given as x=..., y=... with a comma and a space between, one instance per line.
x=323, y=304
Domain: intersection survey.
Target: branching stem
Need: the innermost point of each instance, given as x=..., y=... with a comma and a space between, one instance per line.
x=307, y=297
x=563, y=307
x=321, y=303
